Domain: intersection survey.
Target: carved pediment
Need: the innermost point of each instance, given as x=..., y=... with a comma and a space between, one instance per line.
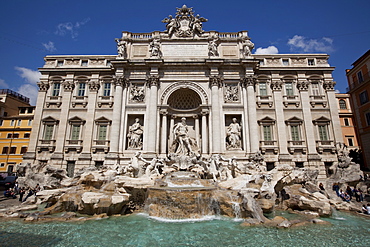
x=294, y=120
x=321, y=120
x=103, y=120
x=50, y=119
x=76, y=119
x=266, y=120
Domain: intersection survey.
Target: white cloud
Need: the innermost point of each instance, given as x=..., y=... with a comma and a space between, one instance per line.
x=69, y=27
x=30, y=91
x=29, y=88
x=49, y=46
x=31, y=76
x=3, y=84
x=269, y=50
x=310, y=45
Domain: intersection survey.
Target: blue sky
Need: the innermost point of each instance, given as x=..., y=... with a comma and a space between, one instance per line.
x=30, y=30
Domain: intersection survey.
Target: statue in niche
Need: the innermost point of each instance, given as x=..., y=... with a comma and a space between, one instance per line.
x=231, y=94
x=154, y=48
x=233, y=135
x=121, y=48
x=135, y=135
x=247, y=47
x=212, y=46
x=137, y=94
x=182, y=140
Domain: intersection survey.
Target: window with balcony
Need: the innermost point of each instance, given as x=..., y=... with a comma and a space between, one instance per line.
x=295, y=133
x=102, y=132
x=289, y=89
x=48, y=132
x=56, y=89
x=315, y=89
x=263, y=89
x=107, y=89
x=342, y=104
x=75, y=132
x=267, y=133
x=323, y=132
x=81, y=89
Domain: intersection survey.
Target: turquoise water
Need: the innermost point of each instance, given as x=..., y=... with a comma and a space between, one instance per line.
x=139, y=230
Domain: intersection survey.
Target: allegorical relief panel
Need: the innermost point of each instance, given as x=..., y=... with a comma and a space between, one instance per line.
x=231, y=93
x=137, y=94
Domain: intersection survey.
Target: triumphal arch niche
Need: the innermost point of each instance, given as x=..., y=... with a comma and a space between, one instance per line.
x=186, y=92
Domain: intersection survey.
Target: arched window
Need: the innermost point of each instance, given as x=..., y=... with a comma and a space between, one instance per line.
x=342, y=104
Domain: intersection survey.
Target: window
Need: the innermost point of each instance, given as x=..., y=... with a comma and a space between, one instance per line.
x=13, y=150
x=106, y=89
x=342, y=104
x=359, y=77
x=23, y=110
x=367, y=115
x=48, y=134
x=364, y=98
x=299, y=164
x=267, y=133
x=81, y=89
x=294, y=132
x=16, y=135
x=75, y=132
x=5, y=150
x=1, y=122
x=323, y=133
x=29, y=122
x=12, y=122
x=315, y=89
x=19, y=122
x=2, y=165
x=262, y=62
x=285, y=62
x=9, y=135
x=263, y=88
x=102, y=132
x=26, y=135
x=84, y=63
x=289, y=89
x=311, y=62
x=23, y=150
x=30, y=110
x=60, y=63
x=346, y=122
x=56, y=89
x=350, y=141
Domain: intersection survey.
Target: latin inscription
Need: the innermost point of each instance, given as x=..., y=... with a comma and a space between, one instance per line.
x=185, y=50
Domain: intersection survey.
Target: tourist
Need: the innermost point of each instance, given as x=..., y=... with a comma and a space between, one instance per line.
x=16, y=187
x=336, y=189
x=349, y=192
x=22, y=191
x=30, y=193
x=10, y=193
x=368, y=208
x=364, y=209
x=321, y=186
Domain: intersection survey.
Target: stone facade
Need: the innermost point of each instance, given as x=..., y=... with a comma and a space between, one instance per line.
x=100, y=110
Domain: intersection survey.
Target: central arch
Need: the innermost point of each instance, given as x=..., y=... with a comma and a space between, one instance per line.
x=192, y=89
x=184, y=99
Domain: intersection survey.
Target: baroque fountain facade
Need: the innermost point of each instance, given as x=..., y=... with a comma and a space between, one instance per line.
x=190, y=116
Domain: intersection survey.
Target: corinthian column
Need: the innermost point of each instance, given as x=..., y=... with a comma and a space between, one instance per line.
x=216, y=83
x=249, y=82
x=164, y=132
x=120, y=82
x=151, y=128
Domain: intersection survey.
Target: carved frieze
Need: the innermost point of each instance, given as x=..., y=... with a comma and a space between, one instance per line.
x=185, y=24
x=72, y=62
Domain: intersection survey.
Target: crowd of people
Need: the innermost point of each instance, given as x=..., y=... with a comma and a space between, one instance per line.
x=20, y=192
x=349, y=193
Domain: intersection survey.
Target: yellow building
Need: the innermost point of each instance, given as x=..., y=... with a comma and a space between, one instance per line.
x=16, y=116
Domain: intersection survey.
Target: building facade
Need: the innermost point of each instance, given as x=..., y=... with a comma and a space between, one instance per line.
x=347, y=121
x=359, y=88
x=101, y=110
x=15, y=129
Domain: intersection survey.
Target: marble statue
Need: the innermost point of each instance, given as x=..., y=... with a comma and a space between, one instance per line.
x=247, y=47
x=233, y=135
x=121, y=48
x=182, y=140
x=154, y=48
x=135, y=133
x=212, y=47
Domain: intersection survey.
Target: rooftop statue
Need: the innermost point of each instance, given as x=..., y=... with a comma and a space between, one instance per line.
x=185, y=24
